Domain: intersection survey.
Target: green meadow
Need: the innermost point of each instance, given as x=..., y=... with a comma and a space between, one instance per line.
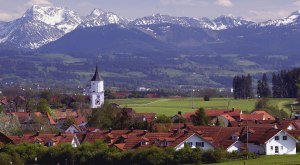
x=267, y=160
x=170, y=106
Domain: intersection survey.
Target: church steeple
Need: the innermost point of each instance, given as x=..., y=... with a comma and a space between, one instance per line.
x=96, y=76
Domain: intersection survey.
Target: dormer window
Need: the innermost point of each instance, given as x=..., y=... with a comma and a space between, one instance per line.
x=235, y=137
x=143, y=143
x=276, y=137
x=284, y=137
x=50, y=143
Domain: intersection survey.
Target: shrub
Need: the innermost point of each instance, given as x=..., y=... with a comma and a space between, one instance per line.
x=206, y=98
x=188, y=155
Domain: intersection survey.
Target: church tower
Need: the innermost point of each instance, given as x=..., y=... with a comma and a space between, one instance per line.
x=97, y=90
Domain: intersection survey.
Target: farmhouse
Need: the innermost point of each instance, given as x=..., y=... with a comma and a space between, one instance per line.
x=270, y=141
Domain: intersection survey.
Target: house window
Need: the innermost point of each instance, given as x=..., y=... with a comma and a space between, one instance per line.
x=50, y=144
x=189, y=144
x=276, y=150
x=271, y=147
x=143, y=143
x=276, y=137
x=284, y=137
x=199, y=144
x=281, y=147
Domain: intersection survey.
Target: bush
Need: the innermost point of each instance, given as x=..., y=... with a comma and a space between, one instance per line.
x=188, y=155
x=213, y=156
x=206, y=98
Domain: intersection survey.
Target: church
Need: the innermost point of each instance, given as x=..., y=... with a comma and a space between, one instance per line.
x=97, y=90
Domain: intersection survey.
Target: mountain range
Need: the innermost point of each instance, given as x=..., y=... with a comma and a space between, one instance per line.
x=188, y=51
x=42, y=25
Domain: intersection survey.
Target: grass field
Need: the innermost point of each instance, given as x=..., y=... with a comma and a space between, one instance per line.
x=268, y=160
x=170, y=106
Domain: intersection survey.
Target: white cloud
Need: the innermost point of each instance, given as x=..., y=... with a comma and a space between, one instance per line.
x=5, y=16
x=39, y=2
x=183, y=2
x=297, y=3
x=267, y=15
x=225, y=3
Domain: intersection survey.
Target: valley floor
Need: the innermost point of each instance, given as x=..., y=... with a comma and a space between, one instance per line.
x=170, y=106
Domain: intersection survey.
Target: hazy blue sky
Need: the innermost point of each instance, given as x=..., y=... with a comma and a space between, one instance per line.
x=257, y=10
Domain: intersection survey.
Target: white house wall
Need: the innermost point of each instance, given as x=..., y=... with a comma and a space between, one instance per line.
x=284, y=146
x=235, y=147
x=195, y=138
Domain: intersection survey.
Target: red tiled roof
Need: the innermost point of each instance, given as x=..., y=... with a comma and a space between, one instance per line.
x=260, y=135
x=215, y=113
x=148, y=116
x=267, y=116
x=103, y=134
x=295, y=133
x=297, y=124
x=188, y=115
x=228, y=117
x=51, y=120
x=219, y=136
x=43, y=138
x=120, y=146
x=252, y=116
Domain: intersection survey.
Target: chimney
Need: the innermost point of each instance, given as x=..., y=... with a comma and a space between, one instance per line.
x=132, y=129
x=175, y=131
x=59, y=133
x=37, y=133
x=109, y=130
x=277, y=120
x=179, y=113
x=145, y=132
x=232, y=109
x=256, y=122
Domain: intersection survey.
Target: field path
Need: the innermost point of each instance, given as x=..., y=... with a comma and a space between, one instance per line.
x=160, y=100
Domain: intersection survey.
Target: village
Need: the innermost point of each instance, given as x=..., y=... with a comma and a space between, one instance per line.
x=231, y=130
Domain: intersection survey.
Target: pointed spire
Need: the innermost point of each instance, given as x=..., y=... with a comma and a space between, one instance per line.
x=96, y=76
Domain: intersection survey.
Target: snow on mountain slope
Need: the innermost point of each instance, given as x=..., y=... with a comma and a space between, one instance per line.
x=293, y=19
x=161, y=19
x=39, y=26
x=226, y=22
x=101, y=18
x=219, y=23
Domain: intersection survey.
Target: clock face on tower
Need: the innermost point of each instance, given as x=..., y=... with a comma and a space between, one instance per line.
x=97, y=100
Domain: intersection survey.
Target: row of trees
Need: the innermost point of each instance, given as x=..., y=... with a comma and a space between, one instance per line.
x=99, y=152
x=242, y=87
x=284, y=85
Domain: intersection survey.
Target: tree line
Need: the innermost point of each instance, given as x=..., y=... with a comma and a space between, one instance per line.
x=100, y=153
x=285, y=84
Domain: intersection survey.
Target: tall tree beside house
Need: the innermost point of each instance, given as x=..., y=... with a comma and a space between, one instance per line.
x=43, y=106
x=199, y=118
x=263, y=89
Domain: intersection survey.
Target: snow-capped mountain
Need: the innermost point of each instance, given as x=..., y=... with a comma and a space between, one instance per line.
x=39, y=26
x=293, y=19
x=163, y=19
x=220, y=23
x=42, y=25
x=226, y=22
x=101, y=18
